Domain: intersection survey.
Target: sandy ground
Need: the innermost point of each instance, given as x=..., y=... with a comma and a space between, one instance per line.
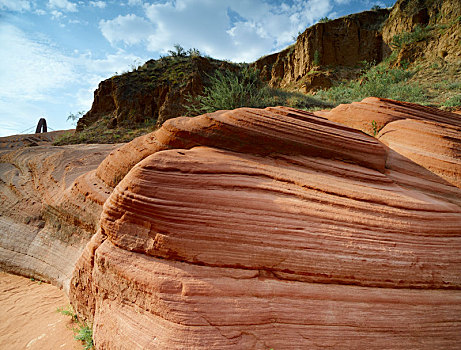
x=28, y=317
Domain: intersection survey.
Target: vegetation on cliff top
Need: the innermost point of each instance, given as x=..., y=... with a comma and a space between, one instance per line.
x=195, y=84
x=186, y=83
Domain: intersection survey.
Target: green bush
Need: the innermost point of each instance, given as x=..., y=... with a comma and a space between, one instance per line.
x=229, y=90
x=316, y=60
x=455, y=101
x=418, y=34
x=85, y=335
x=83, y=331
x=378, y=81
x=324, y=20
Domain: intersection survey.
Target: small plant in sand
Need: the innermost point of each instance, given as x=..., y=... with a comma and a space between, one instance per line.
x=374, y=126
x=83, y=331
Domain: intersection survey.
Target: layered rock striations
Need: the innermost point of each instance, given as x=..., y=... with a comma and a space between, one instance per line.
x=277, y=228
x=50, y=206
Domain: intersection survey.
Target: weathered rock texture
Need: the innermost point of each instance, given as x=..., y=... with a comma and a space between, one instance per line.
x=50, y=206
x=325, y=48
x=156, y=91
x=276, y=228
x=443, y=16
x=345, y=41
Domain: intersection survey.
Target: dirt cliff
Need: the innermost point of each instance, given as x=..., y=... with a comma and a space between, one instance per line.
x=439, y=25
x=154, y=92
x=327, y=52
x=345, y=41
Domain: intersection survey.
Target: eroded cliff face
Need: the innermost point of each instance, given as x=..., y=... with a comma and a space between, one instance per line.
x=278, y=228
x=157, y=91
x=442, y=17
x=345, y=41
x=328, y=52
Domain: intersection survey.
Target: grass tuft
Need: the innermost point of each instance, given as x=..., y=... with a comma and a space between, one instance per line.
x=83, y=331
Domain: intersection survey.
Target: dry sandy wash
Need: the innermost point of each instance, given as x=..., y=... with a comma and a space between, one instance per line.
x=265, y=228
x=28, y=317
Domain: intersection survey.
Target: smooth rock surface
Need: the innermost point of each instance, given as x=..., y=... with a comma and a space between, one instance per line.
x=276, y=228
x=50, y=206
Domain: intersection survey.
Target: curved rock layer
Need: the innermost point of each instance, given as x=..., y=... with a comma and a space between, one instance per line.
x=275, y=228
x=50, y=207
x=422, y=141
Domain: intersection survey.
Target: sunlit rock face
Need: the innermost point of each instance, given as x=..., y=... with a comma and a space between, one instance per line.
x=276, y=228
x=50, y=203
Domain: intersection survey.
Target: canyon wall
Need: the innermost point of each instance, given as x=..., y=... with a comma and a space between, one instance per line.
x=51, y=202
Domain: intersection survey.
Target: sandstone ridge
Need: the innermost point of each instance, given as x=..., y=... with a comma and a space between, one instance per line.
x=51, y=202
x=278, y=228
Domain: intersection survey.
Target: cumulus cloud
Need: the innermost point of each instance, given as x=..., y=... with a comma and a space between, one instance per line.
x=100, y=4
x=239, y=30
x=64, y=5
x=129, y=29
x=15, y=5
x=29, y=74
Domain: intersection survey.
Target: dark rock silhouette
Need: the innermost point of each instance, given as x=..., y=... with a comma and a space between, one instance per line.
x=41, y=126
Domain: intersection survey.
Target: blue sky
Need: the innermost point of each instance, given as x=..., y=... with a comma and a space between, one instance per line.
x=53, y=53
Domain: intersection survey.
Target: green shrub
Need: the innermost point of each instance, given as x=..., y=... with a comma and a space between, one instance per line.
x=85, y=335
x=324, y=20
x=316, y=60
x=229, y=90
x=418, y=34
x=378, y=81
x=83, y=331
x=455, y=101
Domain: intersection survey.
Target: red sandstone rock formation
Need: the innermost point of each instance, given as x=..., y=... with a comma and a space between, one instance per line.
x=276, y=228
x=50, y=206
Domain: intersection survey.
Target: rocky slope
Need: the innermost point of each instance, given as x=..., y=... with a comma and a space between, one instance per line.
x=155, y=91
x=322, y=55
x=442, y=20
x=329, y=52
x=277, y=228
x=345, y=41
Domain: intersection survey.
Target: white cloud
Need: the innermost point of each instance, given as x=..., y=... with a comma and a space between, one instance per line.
x=37, y=79
x=30, y=74
x=64, y=5
x=134, y=2
x=15, y=5
x=30, y=68
x=100, y=4
x=258, y=27
x=129, y=29
x=55, y=14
